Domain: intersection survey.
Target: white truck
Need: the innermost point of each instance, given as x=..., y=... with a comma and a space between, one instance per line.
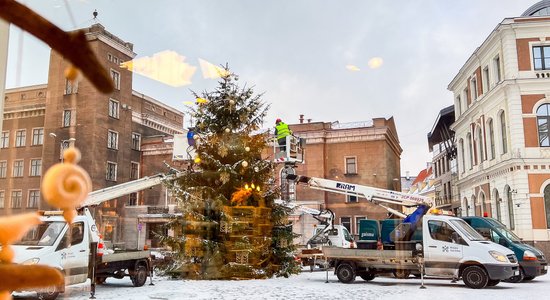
x=77, y=249
x=449, y=248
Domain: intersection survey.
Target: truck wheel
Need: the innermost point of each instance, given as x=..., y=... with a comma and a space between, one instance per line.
x=49, y=293
x=475, y=277
x=528, y=278
x=139, y=276
x=345, y=273
x=367, y=276
x=402, y=274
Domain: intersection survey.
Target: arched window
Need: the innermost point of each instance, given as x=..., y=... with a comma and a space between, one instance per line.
x=462, y=155
x=470, y=150
x=474, y=206
x=547, y=204
x=543, y=124
x=504, y=137
x=464, y=211
x=479, y=204
x=480, y=145
x=511, y=221
x=491, y=138
x=497, y=204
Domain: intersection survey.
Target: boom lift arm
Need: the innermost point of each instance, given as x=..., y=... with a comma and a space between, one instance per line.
x=377, y=196
x=99, y=196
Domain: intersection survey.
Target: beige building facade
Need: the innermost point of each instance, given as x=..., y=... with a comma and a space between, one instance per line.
x=502, y=96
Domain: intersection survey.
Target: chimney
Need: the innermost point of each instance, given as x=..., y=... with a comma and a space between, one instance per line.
x=309, y=120
x=301, y=119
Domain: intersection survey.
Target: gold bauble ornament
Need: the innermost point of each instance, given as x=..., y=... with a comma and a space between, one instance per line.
x=247, y=149
x=244, y=164
x=227, y=130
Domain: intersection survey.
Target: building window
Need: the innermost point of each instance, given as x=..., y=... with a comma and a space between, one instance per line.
x=113, y=108
x=20, y=137
x=504, y=138
x=485, y=80
x=473, y=88
x=71, y=87
x=116, y=79
x=36, y=167
x=66, y=122
x=132, y=199
x=3, y=169
x=5, y=139
x=541, y=57
x=37, y=136
x=512, y=222
x=462, y=156
x=480, y=145
x=16, y=197
x=109, y=57
x=357, y=221
x=496, y=69
x=18, y=168
x=34, y=198
x=458, y=105
x=547, y=205
x=470, y=150
x=497, y=205
x=136, y=141
x=111, y=171
x=351, y=199
x=492, y=138
x=351, y=165
x=346, y=222
x=112, y=140
x=543, y=124
x=2, y=198
x=134, y=170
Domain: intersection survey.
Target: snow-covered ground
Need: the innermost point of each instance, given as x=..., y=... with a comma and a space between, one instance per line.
x=311, y=286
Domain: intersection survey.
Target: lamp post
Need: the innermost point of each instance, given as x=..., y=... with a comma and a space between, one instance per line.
x=64, y=144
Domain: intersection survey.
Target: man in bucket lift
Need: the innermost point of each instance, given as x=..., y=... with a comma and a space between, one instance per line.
x=281, y=132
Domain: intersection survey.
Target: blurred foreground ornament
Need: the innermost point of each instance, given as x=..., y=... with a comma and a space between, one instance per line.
x=71, y=45
x=67, y=185
x=14, y=277
x=244, y=164
x=13, y=228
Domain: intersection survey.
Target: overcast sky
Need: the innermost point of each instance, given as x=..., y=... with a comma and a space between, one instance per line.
x=309, y=57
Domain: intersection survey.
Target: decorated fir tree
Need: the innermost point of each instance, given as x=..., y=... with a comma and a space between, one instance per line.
x=230, y=225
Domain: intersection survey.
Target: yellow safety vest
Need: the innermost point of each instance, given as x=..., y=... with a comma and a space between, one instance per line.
x=282, y=130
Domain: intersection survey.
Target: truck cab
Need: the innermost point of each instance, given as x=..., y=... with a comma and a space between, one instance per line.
x=531, y=260
x=333, y=235
x=454, y=249
x=58, y=245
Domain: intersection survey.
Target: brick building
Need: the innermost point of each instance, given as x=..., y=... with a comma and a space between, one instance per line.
x=502, y=101
x=366, y=153
x=110, y=130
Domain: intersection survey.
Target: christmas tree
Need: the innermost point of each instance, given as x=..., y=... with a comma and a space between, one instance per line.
x=230, y=225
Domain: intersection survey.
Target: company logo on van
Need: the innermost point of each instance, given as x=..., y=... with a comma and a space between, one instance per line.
x=345, y=186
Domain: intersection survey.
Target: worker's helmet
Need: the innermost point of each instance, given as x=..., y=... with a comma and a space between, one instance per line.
x=277, y=121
